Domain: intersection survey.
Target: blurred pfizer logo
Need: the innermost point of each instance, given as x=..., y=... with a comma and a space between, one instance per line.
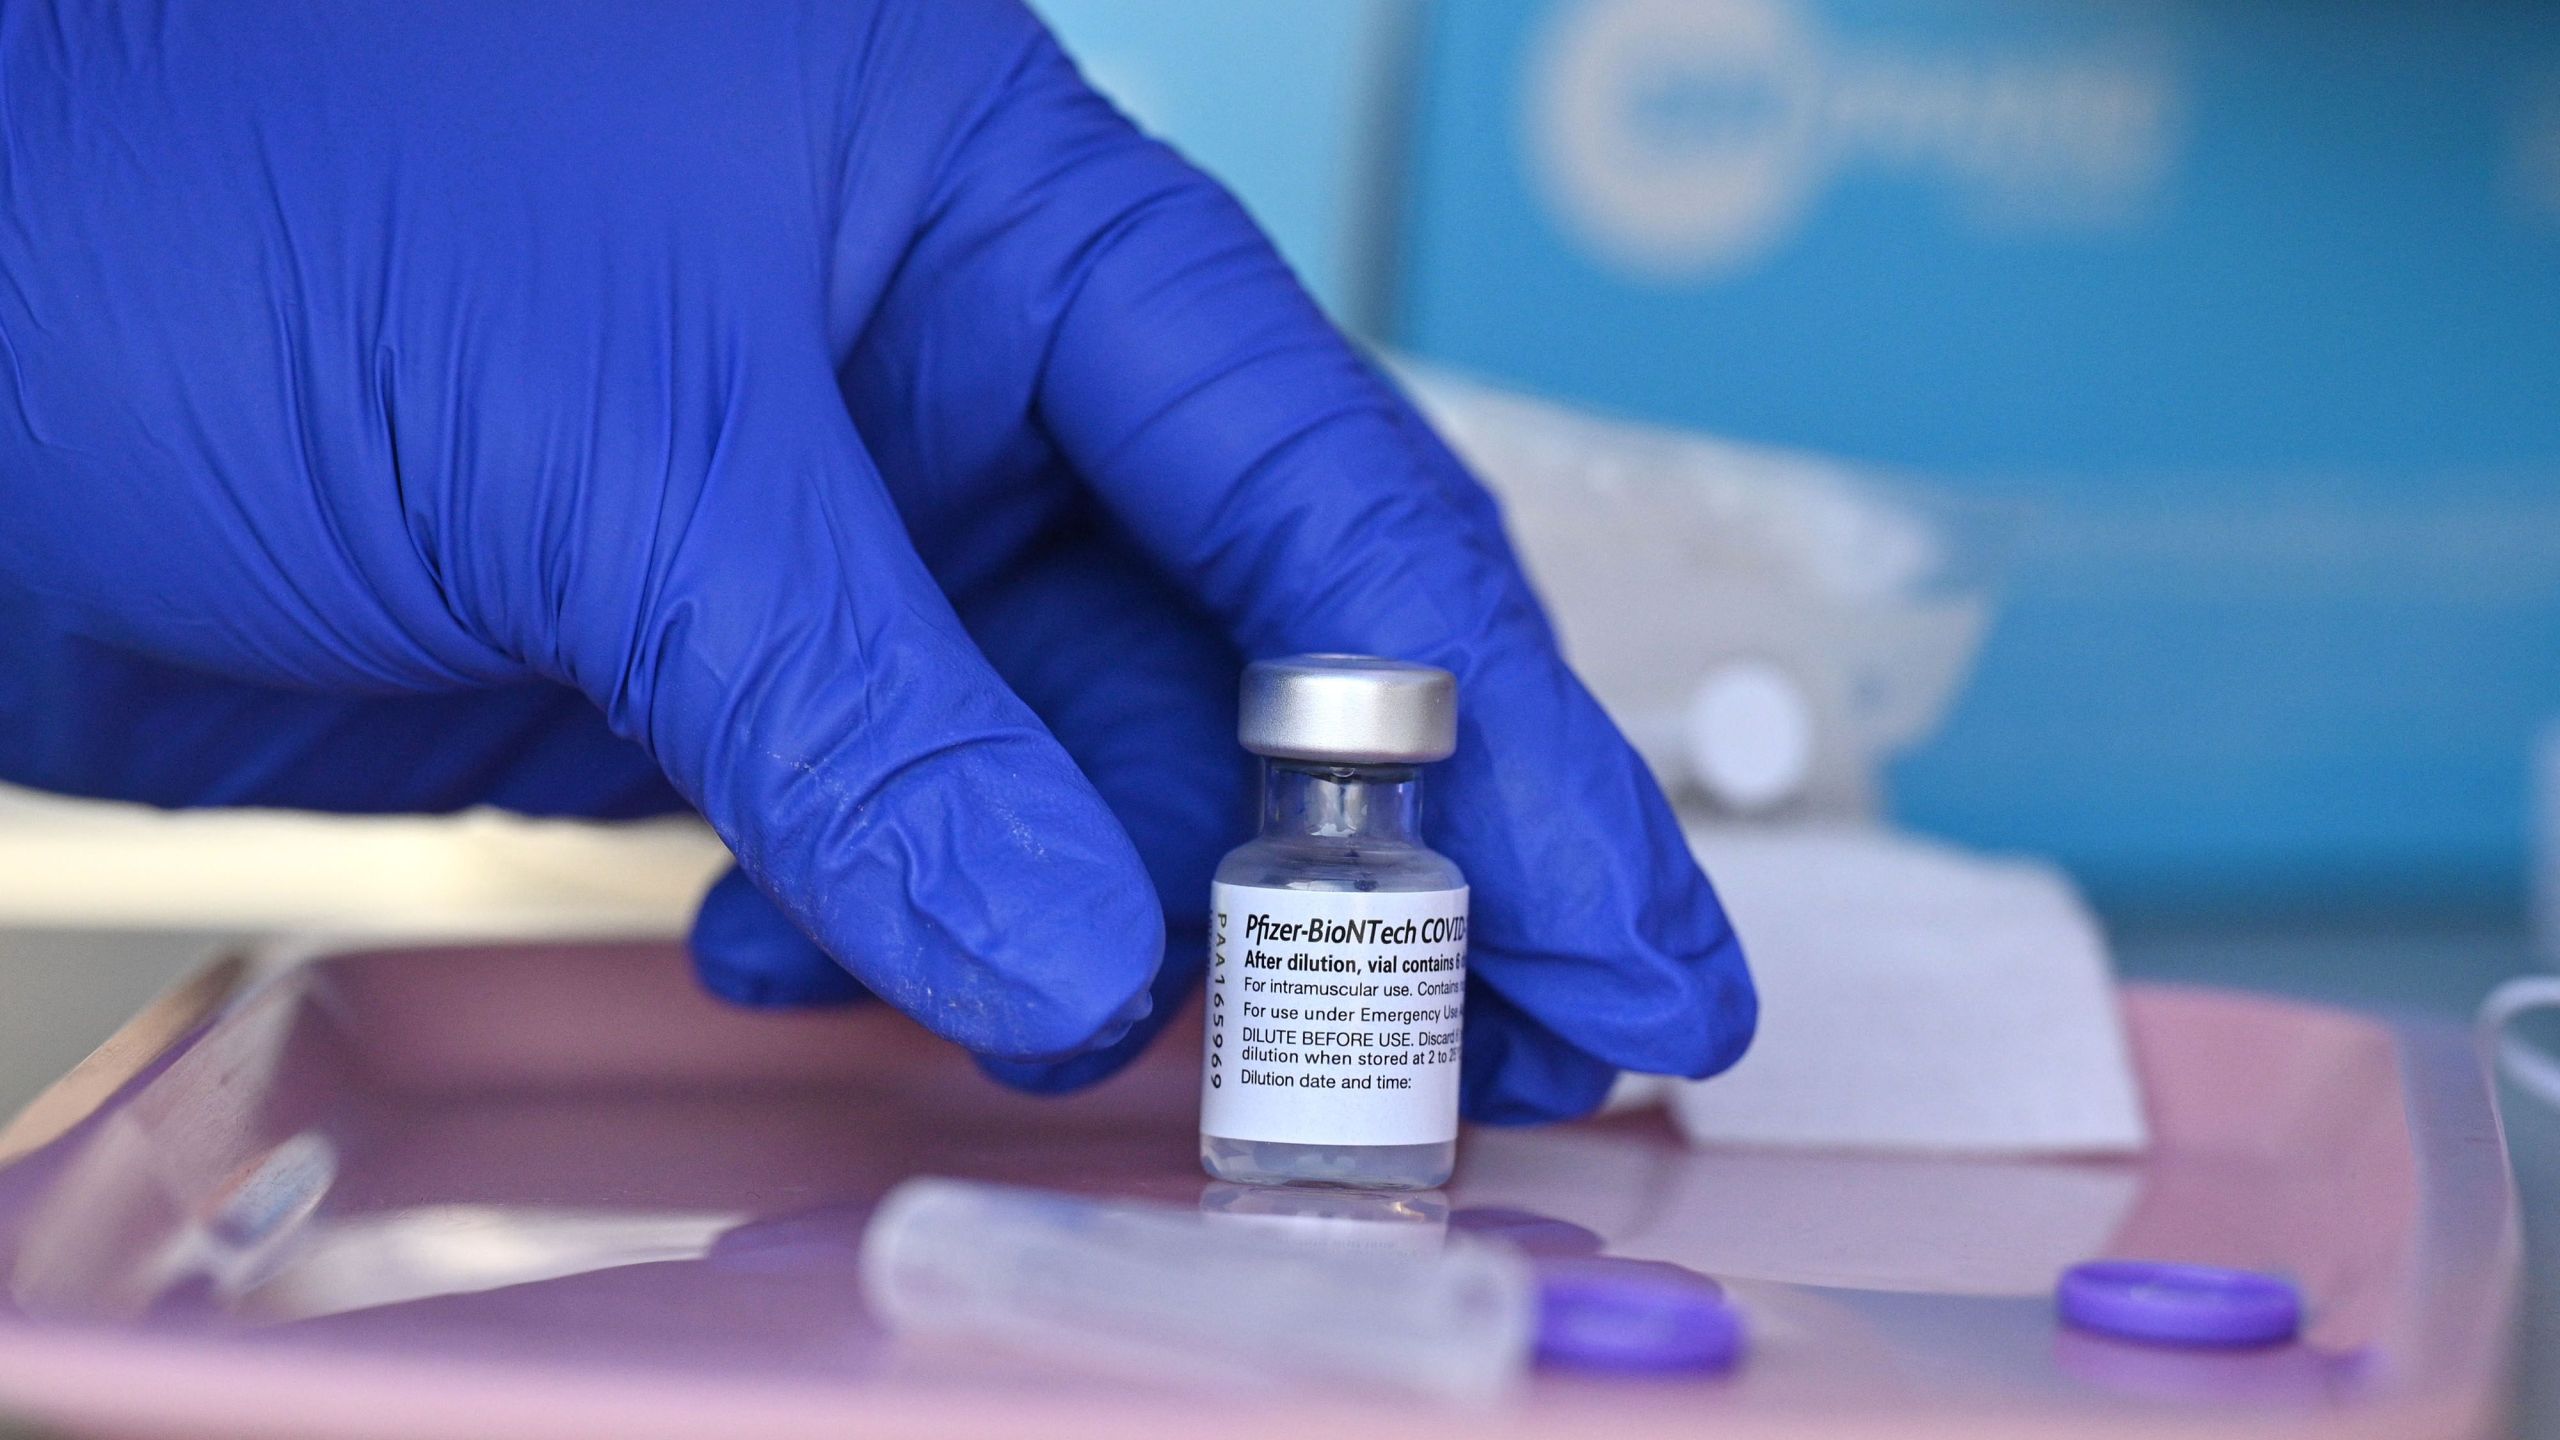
x=2536, y=161
x=1680, y=140
x=1675, y=136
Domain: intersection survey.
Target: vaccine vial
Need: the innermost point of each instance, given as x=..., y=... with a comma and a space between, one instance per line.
x=1337, y=939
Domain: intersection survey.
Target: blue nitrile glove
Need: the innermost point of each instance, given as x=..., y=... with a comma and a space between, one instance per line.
x=896, y=449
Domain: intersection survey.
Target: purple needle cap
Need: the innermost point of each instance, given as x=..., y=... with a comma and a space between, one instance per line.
x=2168, y=1304
x=1634, y=1317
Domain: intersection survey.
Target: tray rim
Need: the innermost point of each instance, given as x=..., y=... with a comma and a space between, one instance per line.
x=2445, y=1091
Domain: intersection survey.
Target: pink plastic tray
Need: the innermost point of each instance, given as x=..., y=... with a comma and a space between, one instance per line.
x=548, y=1191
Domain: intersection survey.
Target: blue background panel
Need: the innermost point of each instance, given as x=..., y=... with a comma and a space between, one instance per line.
x=2251, y=310
x=1290, y=102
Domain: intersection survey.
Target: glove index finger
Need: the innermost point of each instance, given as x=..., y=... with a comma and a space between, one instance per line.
x=1262, y=462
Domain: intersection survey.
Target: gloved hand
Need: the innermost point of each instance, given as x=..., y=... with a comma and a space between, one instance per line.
x=827, y=415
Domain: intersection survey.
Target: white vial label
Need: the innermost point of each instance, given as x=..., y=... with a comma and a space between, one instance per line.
x=1334, y=1015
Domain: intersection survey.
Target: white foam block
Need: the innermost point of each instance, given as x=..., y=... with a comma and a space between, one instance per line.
x=1915, y=997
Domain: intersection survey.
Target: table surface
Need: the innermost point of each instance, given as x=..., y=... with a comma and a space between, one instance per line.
x=67, y=990
x=2443, y=965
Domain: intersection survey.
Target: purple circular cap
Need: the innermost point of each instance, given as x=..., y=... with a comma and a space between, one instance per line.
x=2167, y=1304
x=1634, y=1317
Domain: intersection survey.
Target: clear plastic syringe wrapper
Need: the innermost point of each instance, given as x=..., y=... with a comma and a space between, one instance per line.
x=1167, y=1296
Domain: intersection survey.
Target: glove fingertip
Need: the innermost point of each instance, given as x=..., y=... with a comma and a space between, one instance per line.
x=1063, y=1077
x=1728, y=1010
x=1515, y=1071
x=748, y=953
x=757, y=990
x=1164, y=1000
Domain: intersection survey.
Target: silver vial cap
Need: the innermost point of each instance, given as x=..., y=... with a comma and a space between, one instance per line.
x=1349, y=710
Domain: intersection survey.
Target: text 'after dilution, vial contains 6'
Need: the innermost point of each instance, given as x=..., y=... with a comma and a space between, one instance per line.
x=1337, y=939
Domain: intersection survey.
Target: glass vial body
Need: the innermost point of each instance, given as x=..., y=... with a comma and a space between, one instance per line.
x=1334, y=913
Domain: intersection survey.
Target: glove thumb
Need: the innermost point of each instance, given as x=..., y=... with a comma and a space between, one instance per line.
x=761, y=624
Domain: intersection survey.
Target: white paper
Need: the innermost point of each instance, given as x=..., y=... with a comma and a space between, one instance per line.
x=1915, y=997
